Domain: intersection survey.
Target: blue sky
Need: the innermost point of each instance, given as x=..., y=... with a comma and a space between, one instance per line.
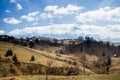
x=61, y=18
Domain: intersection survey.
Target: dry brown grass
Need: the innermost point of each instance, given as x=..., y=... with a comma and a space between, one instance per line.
x=115, y=68
x=82, y=77
x=12, y=78
x=48, y=53
x=24, y=54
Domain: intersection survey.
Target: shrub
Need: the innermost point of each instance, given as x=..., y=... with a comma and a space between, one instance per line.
x=9, y=53
x=32, y=58
x=14, y=58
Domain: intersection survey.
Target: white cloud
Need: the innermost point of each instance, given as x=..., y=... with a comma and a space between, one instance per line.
x=12, y=1
x=33, y=16
x=101, y=15
x=15, y=32
x=46, y=16
x=7, y=11
x=41, y=30
x=51, y=12
x=19, y=6
x=103, y=32
x=33, y=13
x=2, y=32
x=11, y=20
x=69, y=9
x=50, y=8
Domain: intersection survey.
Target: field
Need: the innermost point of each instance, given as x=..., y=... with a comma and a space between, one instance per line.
x=24, y=54
x=42, y=56
x=82, y=77
x=87, y=77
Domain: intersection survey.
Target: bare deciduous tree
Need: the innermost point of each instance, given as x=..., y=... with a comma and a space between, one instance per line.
x=48, y=67
x=83, y=61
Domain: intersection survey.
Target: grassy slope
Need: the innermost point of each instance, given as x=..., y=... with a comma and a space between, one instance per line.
x=42, y=56
x=86, y=77
x=82, y=77
x=115, y=69
x=24, y=54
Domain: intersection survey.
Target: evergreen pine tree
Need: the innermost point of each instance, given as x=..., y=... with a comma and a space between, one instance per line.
x=14, y=58
x=32, y=58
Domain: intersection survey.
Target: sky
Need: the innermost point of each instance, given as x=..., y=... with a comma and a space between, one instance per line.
x=61, y=19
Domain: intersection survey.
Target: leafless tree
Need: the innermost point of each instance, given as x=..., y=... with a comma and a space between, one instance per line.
x=83, y=56
x=48, y=67
x=83, y=61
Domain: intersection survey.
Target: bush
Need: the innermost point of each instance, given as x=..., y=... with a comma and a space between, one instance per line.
x=14, y=58
x=32, y=58
x=103, y=63
x=68, y=71
x=9, y=53
x=31, y=44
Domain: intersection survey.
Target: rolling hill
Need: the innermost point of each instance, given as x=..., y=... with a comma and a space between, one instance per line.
x=44, y=54
x=41, y=57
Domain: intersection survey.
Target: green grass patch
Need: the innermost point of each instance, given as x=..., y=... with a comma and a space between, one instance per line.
x=81, y=77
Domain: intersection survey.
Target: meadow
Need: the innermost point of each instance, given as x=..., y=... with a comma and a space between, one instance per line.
x=41, y=56
x=51, y=77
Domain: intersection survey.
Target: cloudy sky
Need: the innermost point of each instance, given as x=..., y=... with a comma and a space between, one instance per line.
x=61, y=18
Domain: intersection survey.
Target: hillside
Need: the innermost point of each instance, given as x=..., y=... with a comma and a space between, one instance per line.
x=66, y=46
x=24, y=54
x=41, y=57
x=43, y=54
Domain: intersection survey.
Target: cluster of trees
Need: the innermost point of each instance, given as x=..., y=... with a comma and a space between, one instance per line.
x=91, y=46
x=29, y=41
x=103, y=63
x=43, y=42
x=20, y=41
